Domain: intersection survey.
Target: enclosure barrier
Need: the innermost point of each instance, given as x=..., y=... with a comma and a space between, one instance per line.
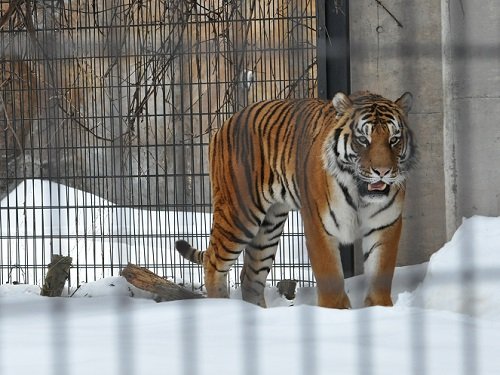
x=106, y=111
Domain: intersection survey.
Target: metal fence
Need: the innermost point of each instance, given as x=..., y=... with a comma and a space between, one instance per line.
x=106, y=110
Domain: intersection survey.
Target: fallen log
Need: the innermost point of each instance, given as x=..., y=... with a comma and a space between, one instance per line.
x=164, y=290
x=57, y=275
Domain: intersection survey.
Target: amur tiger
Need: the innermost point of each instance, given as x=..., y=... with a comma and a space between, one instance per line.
x=342, y=163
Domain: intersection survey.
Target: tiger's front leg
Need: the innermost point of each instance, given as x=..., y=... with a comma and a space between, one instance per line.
x=380, y=249
x=327, y=267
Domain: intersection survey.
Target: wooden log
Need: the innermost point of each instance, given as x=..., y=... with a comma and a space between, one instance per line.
x=57, y=275
x=164, y=290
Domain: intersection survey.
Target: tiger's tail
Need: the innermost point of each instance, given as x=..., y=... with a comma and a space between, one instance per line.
x=189, y=253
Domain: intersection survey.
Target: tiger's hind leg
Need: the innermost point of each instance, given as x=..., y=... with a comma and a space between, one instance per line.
x=228, y=239
x=260, y=254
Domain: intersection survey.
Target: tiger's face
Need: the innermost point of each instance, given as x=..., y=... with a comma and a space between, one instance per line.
x=374, y=144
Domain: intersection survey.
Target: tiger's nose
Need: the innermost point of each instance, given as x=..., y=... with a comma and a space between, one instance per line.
x=381, y=171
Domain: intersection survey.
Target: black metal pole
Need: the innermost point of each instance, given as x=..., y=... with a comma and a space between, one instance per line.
x=333, y=48
x=334, y=71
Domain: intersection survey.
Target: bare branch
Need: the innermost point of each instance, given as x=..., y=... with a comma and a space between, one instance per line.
x=389, y=13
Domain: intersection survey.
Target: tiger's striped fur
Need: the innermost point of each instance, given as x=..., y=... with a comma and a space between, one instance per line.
x=343, y=164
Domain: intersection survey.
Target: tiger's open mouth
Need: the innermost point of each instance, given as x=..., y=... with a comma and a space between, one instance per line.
x=374, y=189
x=377, y=186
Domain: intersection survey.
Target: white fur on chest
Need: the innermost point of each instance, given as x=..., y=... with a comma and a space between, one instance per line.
x=378, y=214
x=341, y=218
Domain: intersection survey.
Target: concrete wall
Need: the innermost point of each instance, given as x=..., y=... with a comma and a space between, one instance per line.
x=472, y=110
x=391, y=54
x=447, y=53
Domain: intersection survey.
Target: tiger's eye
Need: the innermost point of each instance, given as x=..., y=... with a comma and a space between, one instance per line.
x=362, y=140
x=394, y=141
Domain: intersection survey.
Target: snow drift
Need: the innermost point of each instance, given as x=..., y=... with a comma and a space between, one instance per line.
x=446, y=320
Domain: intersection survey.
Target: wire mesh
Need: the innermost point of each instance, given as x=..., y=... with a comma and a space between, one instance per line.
x=107, y=109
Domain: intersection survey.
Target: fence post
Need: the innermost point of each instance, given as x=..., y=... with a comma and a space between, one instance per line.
x=333, y=47
x=334, y=75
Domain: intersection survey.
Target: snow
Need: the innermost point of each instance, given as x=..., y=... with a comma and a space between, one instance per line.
x=464, y=276
x=446, y=320
x=54, y=218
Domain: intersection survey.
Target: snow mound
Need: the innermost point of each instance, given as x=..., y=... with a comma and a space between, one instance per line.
x=19, y=290
x=111, y=286
x=464, y=275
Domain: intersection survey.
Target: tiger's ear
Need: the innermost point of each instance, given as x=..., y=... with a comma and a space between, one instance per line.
x=405, y=102
x=341, y=103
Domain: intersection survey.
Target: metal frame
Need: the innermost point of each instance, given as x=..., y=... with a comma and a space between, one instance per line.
x=120, y=102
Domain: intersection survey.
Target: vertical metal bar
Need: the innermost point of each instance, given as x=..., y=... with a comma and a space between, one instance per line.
x=334, y=75
x=333, y=53
x=347, y=257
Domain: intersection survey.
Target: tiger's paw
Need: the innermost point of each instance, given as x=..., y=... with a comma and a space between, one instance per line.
x=378, y=299
x=338, y=301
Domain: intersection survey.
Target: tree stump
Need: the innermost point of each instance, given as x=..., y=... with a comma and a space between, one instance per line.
x=287, y=289
x=164, y=290
x=57, y=275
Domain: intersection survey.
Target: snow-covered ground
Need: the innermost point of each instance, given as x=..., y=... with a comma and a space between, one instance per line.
x=446, y=320
x=39, y=218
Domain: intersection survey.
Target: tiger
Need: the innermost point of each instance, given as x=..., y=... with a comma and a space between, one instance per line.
x=343, y=163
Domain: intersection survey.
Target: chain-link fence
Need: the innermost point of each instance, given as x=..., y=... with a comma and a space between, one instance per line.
x=106, y=111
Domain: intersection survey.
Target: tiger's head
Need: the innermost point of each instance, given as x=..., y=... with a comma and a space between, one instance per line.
x=372, y=142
